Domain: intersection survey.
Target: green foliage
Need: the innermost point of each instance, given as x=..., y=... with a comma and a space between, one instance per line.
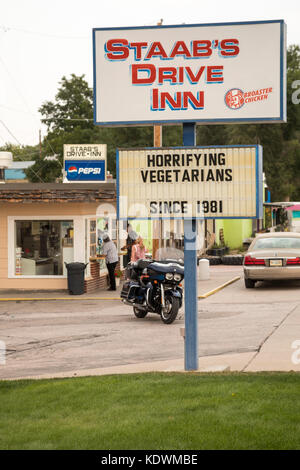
x=72, y=109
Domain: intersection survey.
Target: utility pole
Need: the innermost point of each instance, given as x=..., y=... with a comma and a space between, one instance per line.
x=157, y=142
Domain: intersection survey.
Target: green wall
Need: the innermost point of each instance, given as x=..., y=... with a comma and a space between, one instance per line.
x=235, y=231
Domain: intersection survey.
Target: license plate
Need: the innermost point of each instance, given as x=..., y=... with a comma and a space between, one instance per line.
x=275, y=262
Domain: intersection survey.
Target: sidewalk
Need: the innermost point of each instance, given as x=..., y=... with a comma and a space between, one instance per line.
x=218, y=276
x=281, y=348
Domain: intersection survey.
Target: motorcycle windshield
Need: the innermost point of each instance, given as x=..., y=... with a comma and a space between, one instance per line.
x=170, y=254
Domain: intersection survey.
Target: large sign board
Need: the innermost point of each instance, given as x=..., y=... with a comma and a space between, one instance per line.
x=210, y=73
x=182, y=182
x=85, y=163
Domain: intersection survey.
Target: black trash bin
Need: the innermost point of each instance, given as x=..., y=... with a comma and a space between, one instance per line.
x=76, y=277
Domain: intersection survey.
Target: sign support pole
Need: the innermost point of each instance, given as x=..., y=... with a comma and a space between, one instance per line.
x=190, y=273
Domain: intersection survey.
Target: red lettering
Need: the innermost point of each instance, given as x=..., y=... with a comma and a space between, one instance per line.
x=156, y=49
x=197, y=103
x=167, y=73
x=194, y=78
x=214, y=73
x=117, y=49
x=180, y=49
x=180, y=74
x=202, y=48
x=166, y=98
x=155, y=99
x=138, y=46
x=148, y=68
x=229, y=47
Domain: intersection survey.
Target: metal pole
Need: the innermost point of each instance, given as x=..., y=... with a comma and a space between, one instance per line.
x=190, y=274
x=156, y=224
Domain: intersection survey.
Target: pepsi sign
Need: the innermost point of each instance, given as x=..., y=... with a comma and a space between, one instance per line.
x=85, y=170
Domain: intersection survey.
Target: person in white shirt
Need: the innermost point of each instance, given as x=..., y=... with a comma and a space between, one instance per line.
x=110, y=251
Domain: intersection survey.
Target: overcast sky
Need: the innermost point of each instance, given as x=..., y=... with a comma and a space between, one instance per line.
x=40, y=41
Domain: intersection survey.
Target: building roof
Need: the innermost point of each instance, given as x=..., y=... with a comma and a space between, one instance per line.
x=294, y=207
x=57, y=192
x=21, y=165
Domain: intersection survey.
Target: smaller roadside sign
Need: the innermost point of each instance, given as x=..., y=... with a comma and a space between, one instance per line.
x=190, y=182
x=85, y=163
x=78, y=170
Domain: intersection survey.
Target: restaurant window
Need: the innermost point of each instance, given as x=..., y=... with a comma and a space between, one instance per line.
x=43, y=246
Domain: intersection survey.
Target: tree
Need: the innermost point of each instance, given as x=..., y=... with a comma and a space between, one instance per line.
x=69, y=120
x=293, y=110
x=72, y=109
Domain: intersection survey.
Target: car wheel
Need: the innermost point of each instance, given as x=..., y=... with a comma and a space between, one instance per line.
x=249, y=283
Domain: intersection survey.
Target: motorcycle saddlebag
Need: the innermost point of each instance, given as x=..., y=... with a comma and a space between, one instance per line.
x=130, y=289
x=125, y=289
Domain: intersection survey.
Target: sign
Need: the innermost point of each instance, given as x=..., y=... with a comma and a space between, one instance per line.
x=79, y=170
x=210, y=73
x=197, y=182
x=85, y=163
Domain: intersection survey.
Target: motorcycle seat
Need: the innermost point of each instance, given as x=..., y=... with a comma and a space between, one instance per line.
x=141, y=264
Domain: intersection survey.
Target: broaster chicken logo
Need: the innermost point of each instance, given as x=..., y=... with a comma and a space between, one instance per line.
x=236, y=98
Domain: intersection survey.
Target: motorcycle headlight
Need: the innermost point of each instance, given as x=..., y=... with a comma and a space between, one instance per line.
x=177, y=277
x=169, y=276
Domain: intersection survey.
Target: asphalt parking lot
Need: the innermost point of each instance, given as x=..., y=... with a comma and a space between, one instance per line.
x=77, y=335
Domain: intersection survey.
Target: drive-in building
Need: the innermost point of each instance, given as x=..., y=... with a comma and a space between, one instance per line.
x=43, y=226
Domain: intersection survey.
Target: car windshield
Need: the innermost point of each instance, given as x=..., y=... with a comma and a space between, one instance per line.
x=275, y=243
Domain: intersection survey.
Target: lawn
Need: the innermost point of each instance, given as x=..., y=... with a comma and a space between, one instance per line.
x=152, y=411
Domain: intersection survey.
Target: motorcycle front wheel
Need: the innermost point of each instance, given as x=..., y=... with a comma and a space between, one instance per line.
x=169, y=312
x=139, y=313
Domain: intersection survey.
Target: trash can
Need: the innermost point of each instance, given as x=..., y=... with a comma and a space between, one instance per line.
x=76, y=277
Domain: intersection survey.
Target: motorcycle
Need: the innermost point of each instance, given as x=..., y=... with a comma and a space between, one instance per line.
x=154, y=286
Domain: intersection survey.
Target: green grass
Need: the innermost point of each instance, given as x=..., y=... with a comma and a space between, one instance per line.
x=152, y=411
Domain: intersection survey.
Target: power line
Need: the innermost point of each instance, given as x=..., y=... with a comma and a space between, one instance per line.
x=15, y=85
x=26, y=104
x=39, y=33
x=36, y=115
x=20, y=156
x=13, y=136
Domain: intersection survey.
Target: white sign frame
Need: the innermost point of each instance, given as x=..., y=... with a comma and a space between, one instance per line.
x=258, y=71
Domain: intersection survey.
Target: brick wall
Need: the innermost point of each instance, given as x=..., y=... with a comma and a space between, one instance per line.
x=95, y=281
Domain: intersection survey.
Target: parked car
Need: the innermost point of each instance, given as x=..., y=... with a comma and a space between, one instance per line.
x=272, y=256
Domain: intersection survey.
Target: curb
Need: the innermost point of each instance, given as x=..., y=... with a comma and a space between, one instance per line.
x=24, y=299
x=37, y=299
x=217, y=289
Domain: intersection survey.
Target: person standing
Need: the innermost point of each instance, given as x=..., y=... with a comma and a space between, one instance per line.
x=138, y=250
x=131, y=238
x=111, y=254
